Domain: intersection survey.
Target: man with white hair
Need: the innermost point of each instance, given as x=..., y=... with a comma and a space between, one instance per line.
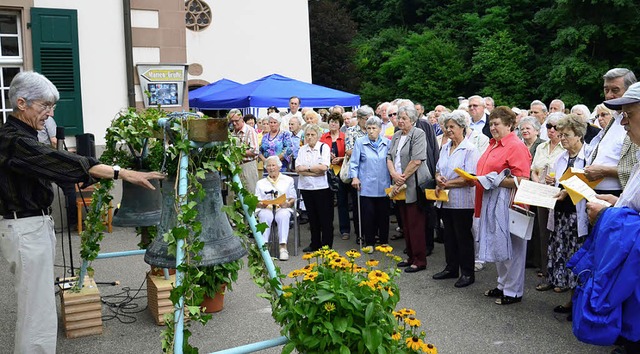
x=489, y=104
x=346, y=117
x=556, y=106
x=539, y=111
x=479, y=118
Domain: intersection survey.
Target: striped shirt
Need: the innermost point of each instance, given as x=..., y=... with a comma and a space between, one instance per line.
x=248, y=136
x=27, y=168
x=465, y=156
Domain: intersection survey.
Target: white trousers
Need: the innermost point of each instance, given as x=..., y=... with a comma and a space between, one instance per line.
x=511, y=271
x=28, y=244
x=282, y=220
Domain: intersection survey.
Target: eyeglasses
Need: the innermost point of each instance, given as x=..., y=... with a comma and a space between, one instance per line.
x=234, y=121
x=604, y=114
x=563, y=135
x=549, y=126
x=474, y=106
x=392, y=114
x=46, y=106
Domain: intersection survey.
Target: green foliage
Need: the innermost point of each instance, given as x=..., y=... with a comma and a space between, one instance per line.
x=214, y=277
x=334, y=305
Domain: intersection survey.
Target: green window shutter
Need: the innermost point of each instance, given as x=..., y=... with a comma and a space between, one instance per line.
x=55, y=55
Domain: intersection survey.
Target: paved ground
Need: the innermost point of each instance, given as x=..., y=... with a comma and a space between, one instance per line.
x=456, y=320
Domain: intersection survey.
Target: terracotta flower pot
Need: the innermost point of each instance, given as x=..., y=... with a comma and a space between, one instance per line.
x=215, y=304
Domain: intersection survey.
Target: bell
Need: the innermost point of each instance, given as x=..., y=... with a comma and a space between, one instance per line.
x=139, y=206
x=220, y=244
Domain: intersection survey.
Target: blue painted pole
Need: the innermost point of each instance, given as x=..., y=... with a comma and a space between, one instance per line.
x=179, y=309
x=120, y=254
x=251, y=219
x=253, y=347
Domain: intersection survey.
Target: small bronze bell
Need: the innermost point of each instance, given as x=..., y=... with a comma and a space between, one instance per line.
x=220, y=245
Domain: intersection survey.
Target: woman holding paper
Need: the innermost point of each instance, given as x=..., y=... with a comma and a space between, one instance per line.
x=505, y=158
x=457, y=213
x=271, y=187
x=570, y=222
x=544, y=164
x=368, y=168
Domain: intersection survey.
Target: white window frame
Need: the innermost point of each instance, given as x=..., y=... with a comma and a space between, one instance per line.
x=13, y=61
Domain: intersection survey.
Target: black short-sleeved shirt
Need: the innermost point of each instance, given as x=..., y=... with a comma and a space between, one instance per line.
x=28, y=167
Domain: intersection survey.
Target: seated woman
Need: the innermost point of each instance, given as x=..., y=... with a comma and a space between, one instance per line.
x=271, y=187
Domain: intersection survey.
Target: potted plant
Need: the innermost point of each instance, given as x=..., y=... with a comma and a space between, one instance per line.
x=335, y=305
x=215, y=280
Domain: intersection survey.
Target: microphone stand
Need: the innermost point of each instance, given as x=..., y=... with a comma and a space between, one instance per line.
x=61, y=146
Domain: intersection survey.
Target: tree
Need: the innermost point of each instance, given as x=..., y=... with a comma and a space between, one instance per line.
x=332, y=53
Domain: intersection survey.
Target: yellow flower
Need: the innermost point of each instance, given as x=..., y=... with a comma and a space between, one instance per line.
x=397, y=259
x=363, y=283
x=307, y=256
x=397, y=315
x=286, y=287
x=378, y=276
x=329, y=306
x=309, y=267
x=429, y=348
x=407, y=312
x=389, y=290
x=353, y=254
x=396, y=336
x=372, y=263
x=311, y=276
x=295, y=273
x=333, y=254
x=412, y=321
x=358, y=269
x=367, y=249
x=287, y=294
x=384, y=248
x=414, y=343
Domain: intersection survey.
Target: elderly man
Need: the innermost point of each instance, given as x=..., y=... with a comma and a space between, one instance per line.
x=612, y=154
x=479, y=118
x=539, y=111
x=294, y=110
x=620, y=226
x=346, y=118
x=248, y=137
x=556, y=106
x=27, y=240
x=489, y=104
x=389, y=126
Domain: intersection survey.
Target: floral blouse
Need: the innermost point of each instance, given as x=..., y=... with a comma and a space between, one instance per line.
x=277, y=145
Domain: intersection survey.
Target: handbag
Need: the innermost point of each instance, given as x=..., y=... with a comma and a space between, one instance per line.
x=344, y=170
x=520, y=220
x=332, y=179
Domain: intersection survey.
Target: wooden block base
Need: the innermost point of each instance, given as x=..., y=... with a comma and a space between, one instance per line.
x=158, y=291
x=82, y=311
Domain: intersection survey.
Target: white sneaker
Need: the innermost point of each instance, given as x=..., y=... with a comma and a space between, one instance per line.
x=478, y=266
x=284, y=254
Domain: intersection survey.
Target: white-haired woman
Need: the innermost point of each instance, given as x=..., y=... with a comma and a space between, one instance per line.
x=582, y=111
x=276, y=142
x=529, y=128
x=457, y=213
x=271, y=187
x=312, y=164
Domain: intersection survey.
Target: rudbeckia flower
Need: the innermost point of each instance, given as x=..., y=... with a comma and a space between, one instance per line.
x=414, y=343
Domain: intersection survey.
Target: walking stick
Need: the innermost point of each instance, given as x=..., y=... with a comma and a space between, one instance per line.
x=359, y=221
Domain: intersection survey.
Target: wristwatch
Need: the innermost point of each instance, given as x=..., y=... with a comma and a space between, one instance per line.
x=116, y=171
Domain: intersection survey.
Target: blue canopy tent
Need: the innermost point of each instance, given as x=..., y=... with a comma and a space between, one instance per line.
x=275, y=90
x=211, y=89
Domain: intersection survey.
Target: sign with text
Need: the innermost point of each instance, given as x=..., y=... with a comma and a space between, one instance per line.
x=162, y=84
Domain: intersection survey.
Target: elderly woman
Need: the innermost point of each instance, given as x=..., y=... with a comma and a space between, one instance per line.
x=312, y=164
x=570, y=222
x=276, y=142
x=506, y=158
x=406, y=162
x=603, y=115
x=457, y=213
x=543, y=165
x=336, y=140
x=27, y=168
x=529, y=128
x=368, y=170
x=269, y=188
x=312, y=117
x=581, y=111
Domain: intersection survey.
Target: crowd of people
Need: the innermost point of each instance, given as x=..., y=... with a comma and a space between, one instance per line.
x=398, y=149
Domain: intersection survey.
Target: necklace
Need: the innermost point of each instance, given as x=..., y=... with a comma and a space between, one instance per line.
x=270, y=138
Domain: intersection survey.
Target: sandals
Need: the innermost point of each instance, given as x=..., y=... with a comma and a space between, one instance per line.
x=561, y=289
x=544, y=287
x=562, y=309
x=494, y=293
x=508, y=300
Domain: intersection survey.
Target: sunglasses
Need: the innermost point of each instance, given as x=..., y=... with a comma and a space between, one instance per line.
x=392, y=114
x=549, y=126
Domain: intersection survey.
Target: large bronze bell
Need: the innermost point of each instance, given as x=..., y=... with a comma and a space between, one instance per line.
x=220, y=245
x=139, y=206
